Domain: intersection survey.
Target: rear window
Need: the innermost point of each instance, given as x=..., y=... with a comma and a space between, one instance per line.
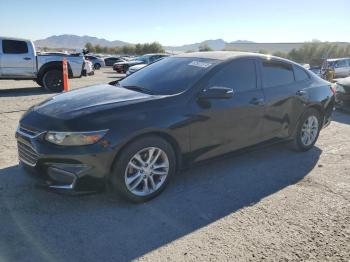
x=277, y=73
x=342, y=63
x=300, y=74
x=170, y=75
x=14, y=47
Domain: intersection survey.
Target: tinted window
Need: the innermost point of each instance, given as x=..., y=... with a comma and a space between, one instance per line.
x=14, y=47
x=276, y=73
x=239, y=75
x=300, y=74
x=342, y=63
x=170, y=75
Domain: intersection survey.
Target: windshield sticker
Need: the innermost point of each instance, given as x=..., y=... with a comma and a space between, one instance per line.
x=199, y=64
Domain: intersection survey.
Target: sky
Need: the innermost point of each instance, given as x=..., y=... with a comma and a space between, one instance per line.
x=179, y=22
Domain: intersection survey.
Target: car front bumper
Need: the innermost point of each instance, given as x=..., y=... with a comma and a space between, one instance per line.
x=78, y=169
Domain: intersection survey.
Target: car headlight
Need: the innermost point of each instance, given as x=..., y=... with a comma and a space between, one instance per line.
x=74, y=138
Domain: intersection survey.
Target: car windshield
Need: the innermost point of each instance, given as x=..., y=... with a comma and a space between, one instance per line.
x=171, y=75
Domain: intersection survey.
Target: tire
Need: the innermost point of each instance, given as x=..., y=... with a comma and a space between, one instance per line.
x=39, y=81
x=141, y=178
x=97, y=66
x=53, y=80
x=309, y=127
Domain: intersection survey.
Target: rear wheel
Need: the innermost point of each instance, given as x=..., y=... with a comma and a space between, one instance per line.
x=143, y=169
x=39, y=81
x=308, y=130
x=53, y=80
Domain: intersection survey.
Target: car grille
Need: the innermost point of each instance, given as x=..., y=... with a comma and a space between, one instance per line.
x=27, y=154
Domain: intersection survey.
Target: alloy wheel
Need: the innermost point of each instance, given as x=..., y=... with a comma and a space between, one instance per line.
x=309, y=130
x=147, y=171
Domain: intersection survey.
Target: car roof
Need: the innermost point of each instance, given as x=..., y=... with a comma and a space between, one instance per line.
x=229, y=55
x=13, y=38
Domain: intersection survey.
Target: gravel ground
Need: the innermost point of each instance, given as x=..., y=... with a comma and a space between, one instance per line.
x=271, y=204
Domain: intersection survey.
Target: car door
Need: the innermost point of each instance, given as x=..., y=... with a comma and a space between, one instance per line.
x=347, y=71
x=285, y=95
x=17, y=59
x=221, y=125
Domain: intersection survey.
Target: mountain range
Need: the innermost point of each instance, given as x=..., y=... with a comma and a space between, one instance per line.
x=76, y=42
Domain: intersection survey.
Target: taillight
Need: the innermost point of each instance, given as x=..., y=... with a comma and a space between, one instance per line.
x=333, y=87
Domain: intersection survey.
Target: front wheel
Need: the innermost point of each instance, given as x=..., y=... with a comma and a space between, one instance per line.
x=53, y=80
x=143, y=169
x=308, y=130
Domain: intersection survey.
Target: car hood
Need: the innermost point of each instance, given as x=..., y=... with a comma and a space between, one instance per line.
x=344, y=81
x=89, y=100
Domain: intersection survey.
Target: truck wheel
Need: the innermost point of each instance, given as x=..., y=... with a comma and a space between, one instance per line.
x=53, y=80
x=39, y=81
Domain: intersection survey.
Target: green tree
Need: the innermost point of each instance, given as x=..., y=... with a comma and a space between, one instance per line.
x=264, y=52
x=90, y=47
x=314, y=53
x=280, y=54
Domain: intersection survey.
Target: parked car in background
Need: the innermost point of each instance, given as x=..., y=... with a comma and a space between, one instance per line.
x=20, y=61
x=340, y=66
x=132, y=135
x=133, y=69
x=110, y=61
x=123, y=67
x=342, y=96
x=96, y=61
x=316, y=70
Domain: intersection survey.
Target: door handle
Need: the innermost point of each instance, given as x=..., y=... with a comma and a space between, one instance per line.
x=27, y=58
x=256, y=101
x=300, y=92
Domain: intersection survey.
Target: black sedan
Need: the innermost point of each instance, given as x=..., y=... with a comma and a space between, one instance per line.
x=343, y=94
x=132, y=136
x=110, y=61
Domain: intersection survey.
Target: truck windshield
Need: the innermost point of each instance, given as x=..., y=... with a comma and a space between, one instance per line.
x=171, y=75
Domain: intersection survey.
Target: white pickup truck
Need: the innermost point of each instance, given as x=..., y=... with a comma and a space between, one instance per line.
x=19, y=61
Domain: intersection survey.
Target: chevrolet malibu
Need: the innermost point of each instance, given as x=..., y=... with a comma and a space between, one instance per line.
x=130, y=137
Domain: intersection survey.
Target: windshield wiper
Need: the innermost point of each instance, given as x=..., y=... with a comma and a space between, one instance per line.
x=139, y=89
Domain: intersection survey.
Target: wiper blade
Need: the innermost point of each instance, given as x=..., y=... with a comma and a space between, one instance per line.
x=139, y=89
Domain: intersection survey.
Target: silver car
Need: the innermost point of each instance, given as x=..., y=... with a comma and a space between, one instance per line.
x=96, y=61
x=135, y=68
x=341, y=66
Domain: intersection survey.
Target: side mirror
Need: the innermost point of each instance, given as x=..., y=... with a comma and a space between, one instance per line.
x=218, y=92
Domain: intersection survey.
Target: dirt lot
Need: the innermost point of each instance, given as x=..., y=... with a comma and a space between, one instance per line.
x=272, y=204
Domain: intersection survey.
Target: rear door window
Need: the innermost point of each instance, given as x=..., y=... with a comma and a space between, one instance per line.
x=300, y=74
x=276, y=73
x=14, y=47
x=342, y=63
x=240, y=75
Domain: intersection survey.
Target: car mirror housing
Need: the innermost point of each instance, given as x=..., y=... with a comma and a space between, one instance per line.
x=216, y=92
